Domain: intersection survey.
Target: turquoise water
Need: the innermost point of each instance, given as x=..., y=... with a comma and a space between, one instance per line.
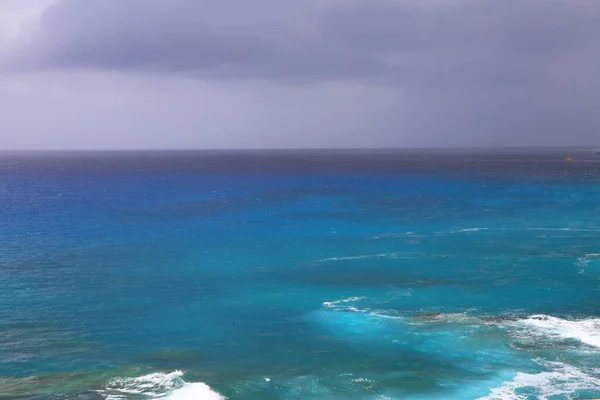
x=332, y=275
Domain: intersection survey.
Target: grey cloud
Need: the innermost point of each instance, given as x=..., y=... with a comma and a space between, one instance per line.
x=305, y=73
x=429, y=43
x=187, y=37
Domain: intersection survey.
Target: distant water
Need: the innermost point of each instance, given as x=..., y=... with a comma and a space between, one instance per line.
x=300, y=275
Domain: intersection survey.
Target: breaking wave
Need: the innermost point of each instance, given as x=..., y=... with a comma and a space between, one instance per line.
x=560, y=381
x=169, y=386
x=585, y=260
x=586, y=331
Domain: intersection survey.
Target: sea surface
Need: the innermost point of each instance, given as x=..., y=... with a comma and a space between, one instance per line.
x=300, y=275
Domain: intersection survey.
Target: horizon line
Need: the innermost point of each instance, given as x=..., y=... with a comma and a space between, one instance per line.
x=300, y=149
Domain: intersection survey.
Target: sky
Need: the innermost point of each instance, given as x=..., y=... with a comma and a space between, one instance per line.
x=193, y=74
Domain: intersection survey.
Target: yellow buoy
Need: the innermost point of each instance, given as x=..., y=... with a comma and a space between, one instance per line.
x=569, y=159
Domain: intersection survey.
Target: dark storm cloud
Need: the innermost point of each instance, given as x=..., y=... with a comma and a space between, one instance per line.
x=302, y=73
x=209, y=38
x=422, y=43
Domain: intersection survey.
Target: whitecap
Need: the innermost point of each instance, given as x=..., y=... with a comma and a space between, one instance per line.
x=585, y=260
x=586, y=331
x=347, y=304
x=563, y=229
x=336, y=303
x=195, y=391
x=560, y=380
x=359, y=257
x=398, y=235
x=467, y=230
x=169, y=386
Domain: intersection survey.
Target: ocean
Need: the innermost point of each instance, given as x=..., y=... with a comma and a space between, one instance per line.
x=300, y=275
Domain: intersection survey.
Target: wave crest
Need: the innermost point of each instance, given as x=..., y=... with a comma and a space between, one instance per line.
x=585, y=331
x=169, y=386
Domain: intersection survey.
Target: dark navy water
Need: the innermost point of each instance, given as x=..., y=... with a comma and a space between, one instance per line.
x=300, y=275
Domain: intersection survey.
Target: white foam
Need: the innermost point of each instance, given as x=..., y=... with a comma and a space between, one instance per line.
x=344, y=304
x=563, y=229
x=560, y=380
x=169, y=386
x=467, y=230
x=397, y=235
x=360, y=257
x=586, y=259
x=452, y=318
x=331, y=304
x=195, y=391
x=585, y=330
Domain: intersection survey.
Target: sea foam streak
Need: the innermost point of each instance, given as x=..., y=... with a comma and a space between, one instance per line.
x=360, y=257
x=397, y=235
x=346, y=300
x=169, y=386
x=468, y=230
x=563, y=229
x=345, y=304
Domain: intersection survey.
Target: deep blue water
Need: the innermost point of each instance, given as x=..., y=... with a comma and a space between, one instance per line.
x=299, y=275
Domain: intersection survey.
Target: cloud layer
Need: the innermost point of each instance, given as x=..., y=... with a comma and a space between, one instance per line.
x=439, y=72
x=431, y=43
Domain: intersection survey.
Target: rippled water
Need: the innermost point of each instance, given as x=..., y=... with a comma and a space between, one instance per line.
x=299, y=275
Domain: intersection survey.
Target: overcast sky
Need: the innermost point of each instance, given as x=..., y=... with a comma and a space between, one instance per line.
x=110, y=74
